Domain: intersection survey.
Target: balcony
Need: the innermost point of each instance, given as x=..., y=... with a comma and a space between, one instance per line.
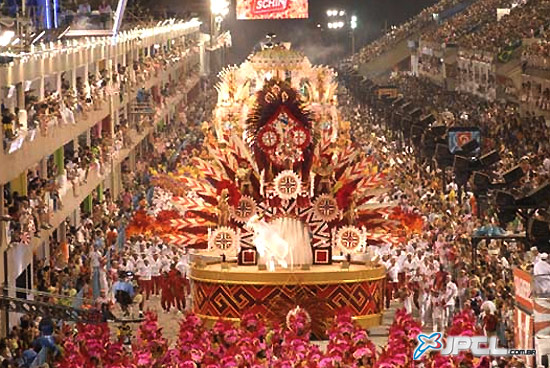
x=36, y=146
x=21, y=254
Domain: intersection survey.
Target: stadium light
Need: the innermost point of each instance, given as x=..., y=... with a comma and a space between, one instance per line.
x=219, y=7
x=353, y=22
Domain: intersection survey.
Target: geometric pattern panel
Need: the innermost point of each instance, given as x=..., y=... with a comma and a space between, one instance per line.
x=363, y=298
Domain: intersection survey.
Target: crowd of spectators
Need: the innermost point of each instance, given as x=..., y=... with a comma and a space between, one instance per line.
x=466, y=22
x=502, y=125
x=526, y=20
x=29, y=214
x=537, y=55
x=83, y=268
x=450, y=216
x=399, y=33
x=519, y=137
x=430, y=64
x=74, y=103
x=536, y=94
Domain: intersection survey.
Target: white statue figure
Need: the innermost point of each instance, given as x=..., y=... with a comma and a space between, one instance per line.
x=270, y=246
x=285, y=241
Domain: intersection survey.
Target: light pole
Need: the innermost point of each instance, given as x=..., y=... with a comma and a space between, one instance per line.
x=218, y=10
x=341, y=20
x=353, y=26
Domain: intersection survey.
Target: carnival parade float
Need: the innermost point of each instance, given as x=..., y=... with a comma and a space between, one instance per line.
x=280, y=207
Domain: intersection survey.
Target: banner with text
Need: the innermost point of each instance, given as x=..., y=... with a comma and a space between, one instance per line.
x=272, y=9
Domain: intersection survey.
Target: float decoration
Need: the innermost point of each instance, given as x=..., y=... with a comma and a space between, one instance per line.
x=276, y=148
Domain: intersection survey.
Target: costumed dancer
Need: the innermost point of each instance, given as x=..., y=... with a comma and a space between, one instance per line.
x=407, y=297
x=144, y=273
x=412, y=276
x=392, y=271
x=425, y=299
x=167, y=299
x=182, y=266
x=156, y=277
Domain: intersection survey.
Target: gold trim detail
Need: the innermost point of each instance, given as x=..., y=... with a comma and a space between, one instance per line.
x=317, y=275
x=367, y=321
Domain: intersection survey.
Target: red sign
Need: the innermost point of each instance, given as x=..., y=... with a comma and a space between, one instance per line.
x=523, y=334
x=269, y=6
x=272, y=9
x=522, y=286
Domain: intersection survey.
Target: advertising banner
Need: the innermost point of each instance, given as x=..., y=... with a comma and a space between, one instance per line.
x=523, y=317
x=272, y=9
x=522, y=287
x=523, y=333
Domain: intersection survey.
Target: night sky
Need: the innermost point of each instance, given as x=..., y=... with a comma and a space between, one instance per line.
x=321, y=45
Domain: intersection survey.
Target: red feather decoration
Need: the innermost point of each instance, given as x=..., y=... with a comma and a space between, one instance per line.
x=233, y=192
x=343, y=195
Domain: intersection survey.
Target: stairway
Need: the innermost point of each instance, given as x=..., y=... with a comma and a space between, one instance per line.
x=384, y=64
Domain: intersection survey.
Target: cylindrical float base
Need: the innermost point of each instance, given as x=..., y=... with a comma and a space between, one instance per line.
x=228, y=293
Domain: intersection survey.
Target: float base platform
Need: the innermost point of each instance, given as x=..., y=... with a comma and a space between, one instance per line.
x=228, y=293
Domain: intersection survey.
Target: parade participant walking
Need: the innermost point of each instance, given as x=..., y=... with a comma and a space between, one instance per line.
x=144, y=276
x=425, y=300
x=438, y=311
x=167, y=286
x=155, y=267
x=451, y=293
x=393, y=279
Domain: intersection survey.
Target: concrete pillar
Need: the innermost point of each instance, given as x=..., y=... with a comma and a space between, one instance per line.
x=75, y=146
x=20, y=89
x=44, y=168
x=85, y=78
x=132, y=159
x=72, y=76
x=58, y=82
x=3, y=228
x=3, y=246
x=62, y=232
x=41, y=88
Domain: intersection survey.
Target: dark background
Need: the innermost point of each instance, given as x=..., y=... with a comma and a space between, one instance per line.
x=319, y=44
